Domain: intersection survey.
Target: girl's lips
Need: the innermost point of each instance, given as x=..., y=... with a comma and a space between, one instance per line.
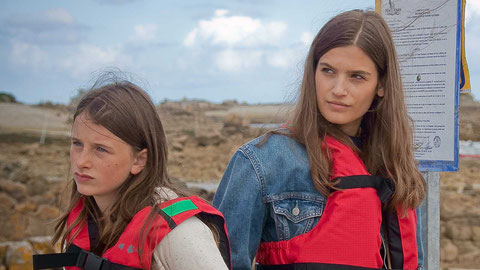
x=82, y=177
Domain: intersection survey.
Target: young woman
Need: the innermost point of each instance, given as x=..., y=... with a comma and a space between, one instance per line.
x=337, y=187
x=124, y=213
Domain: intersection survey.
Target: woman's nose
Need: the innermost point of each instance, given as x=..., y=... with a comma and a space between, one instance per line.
x=340, y=86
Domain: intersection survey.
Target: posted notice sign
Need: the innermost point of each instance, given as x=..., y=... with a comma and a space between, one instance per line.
x=427, y=37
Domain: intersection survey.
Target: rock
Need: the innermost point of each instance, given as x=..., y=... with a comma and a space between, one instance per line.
x=181, y=139
x=37, y=186
x=458, y=231
x=448, y=251
x=177, y=146
x=47, y=212
x=476, y=234
x=210, y=138
x=7, y=204
x=19, y=256
x=26, y=207
x=470, y=257
x=15, y=190
x=235, y=120
x=41, y=245
x=15, y=227
x=3, y=252
x=465, y=247
x=31, y=149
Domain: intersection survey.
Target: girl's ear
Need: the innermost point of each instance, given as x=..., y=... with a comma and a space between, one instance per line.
x=140, y=161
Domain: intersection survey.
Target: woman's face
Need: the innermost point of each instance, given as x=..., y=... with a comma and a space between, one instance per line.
x=100, y=161
x=346, y=82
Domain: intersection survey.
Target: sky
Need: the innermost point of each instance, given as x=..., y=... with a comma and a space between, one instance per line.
x=248, y=50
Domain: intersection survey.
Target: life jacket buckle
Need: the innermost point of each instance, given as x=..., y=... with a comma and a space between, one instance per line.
x=89, y=261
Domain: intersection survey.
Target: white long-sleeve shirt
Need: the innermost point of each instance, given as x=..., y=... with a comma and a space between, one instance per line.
x=190, y=245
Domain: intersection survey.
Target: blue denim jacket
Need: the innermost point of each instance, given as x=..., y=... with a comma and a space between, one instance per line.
x=267, y=194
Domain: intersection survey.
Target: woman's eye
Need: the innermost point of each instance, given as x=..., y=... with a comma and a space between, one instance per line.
x=327, y=70
x=358, y=77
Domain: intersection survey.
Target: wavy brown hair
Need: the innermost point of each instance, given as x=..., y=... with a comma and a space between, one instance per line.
x=127, y=111
x=387, y=138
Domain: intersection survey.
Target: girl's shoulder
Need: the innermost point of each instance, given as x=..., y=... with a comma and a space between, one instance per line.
x=163, y=194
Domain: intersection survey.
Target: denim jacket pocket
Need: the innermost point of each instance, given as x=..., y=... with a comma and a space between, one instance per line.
x=296, y=214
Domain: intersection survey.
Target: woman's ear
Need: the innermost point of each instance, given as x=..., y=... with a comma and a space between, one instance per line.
x=140, y=161
x=380, y=91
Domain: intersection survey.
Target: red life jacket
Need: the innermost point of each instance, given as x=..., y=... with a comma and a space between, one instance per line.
x=347, y=235
x=125, y=253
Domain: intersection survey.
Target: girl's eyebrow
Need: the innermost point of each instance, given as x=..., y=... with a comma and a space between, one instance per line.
x=360, y=72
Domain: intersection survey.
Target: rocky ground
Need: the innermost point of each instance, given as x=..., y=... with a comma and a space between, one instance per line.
x=202, y=137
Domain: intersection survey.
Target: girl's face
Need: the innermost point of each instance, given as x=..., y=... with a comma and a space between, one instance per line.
x=101, y=161
x=346, y=82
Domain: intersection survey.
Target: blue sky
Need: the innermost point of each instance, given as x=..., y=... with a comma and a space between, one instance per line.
x=248, y=50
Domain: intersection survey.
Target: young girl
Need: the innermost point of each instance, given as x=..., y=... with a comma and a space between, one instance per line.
x=337, y=187
x=124, y=213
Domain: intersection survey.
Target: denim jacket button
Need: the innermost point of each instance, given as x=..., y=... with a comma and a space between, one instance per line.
x=295, y=211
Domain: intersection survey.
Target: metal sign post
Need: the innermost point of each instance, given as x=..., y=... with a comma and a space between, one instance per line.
x=427, y=36
x=430, y=218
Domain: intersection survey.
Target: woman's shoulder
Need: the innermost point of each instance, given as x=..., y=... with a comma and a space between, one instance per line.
x=273, y=141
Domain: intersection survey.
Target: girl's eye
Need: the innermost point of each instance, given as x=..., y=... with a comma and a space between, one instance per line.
x=101, y=149
x=76, y=143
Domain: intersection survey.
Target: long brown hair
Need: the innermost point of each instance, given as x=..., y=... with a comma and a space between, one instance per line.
x=127, y=111
x=387, y=147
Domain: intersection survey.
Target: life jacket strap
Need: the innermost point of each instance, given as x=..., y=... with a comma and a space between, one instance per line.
x=311, y=266
x=75, y=256
x=383, y=185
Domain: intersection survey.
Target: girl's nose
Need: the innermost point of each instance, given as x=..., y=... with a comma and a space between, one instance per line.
x=84, y=159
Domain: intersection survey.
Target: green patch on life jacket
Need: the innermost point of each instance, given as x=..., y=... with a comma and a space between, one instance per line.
x=179, y=207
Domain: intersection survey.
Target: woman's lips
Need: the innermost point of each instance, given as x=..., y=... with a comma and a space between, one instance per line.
x=337, y=105
x=82, y=177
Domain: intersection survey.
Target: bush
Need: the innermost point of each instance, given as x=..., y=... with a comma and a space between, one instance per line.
x=8, y=98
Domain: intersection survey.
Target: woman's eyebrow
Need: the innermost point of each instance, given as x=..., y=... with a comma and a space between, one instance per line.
x=326, y=64
x=360, y=72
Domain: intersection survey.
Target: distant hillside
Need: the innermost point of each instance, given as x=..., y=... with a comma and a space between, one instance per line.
x=469, y=122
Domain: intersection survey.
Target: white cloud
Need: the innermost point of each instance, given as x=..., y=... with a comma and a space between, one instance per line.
x=79, y=60
x=283, y=58
x=472, y=8
x=25, y=54
x=232, y=31
x=58, y=15
x=144, y=32
x=238, y=43
x=306, y=38
x=87, y=58
x=237, y=60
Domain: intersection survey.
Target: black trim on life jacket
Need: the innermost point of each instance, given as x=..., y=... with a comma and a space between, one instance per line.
x=223, y=244
x=75, y=256
x=92, y=232
x=171, y=223
x=311, y=266
x=390, y=219
x=381, y=184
